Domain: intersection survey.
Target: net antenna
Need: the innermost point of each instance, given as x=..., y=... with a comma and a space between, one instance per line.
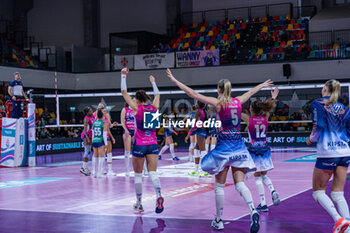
x=57, y=100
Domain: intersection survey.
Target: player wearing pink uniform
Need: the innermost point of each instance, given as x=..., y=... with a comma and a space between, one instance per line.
x=128, y=123
x=259, y=149
x=145, y=143
x=230, y=150
x=87, y=137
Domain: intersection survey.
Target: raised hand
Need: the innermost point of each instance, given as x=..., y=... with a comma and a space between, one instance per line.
x=125, y=71
x=169, y=74
x=274, y=93
x=152, y=79
x=267, y=83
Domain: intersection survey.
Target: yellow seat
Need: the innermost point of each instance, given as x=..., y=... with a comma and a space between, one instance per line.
x=289, y=43
x=264, y=29
x=231, y=27
x=31, y=63
x=188, y=35
x=288, y=16
x=264, y=19
x=195, y=25
x=260, y=51
x=186, y=45
x=336, y=46
x=283, y=118
x=202, y=29
x=39, y=111
x=290, y=27
x=212, y=47
x=210, y=33
x=238, y=36
x=53, y=115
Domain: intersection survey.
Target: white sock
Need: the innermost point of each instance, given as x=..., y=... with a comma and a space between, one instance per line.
x=212, y=147
x=93, y=165
x=340, y=202
x=138, y=187
x=206, y=147
x=156, y=182
x=109, y=162
x=145, y=168
x=219, y=198
x=321, y=197
x=163, y=149
x=172, y=150
x=87, y=151
x=268, y=183
x=245, y=193
x=197, y=167
x=101, y=164
x=261, y=190
x=126, y=160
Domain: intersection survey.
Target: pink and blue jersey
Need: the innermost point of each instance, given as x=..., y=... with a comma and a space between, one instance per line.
x=331, y=125
x=230, y=116
x=257, y=129
x=89, y=129
x=129, y=118
x=143, y=136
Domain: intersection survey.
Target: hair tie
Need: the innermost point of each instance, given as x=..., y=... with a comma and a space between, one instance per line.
x=334, y=82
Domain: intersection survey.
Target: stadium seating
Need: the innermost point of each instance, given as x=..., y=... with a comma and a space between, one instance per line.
x=255, y=39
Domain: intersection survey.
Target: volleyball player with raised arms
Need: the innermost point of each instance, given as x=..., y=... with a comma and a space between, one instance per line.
x=86, y=135
x=128, y=123
x=331, y=125
x=145, y=143
x=230, y=150
x=258, y=148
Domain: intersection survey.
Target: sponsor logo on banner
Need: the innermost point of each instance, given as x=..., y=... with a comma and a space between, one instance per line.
x=198, y=58
x=154, y=61
x=121, y=62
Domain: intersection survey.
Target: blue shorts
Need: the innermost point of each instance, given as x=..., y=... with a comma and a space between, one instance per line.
x=201, y=132
x=131, y=132
x=160, y=137
x=332, y=163
x=97, y=145
x=212, y=132
x=260, y=150
x=168, y=133
x=193, y=133
x=143, y=150
x=109, y=139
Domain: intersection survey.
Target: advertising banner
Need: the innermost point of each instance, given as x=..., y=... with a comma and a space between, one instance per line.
x=121, y=62
x=154, y=61
x=31, y=135
x=198, y=58
x=8, y=139
x=21, y=143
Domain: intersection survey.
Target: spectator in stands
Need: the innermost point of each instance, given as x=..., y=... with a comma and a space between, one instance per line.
x=155, y=49
x=290, y=55
x=17, y=94
x=46, y=115
x=64, y=133
x=2, y=106
x=168, y=49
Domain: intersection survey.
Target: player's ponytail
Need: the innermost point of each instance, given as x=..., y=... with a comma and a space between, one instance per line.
x=334, y=90
x=225, y=87
x=142, y=97
x=262, y=107
x=99, y=113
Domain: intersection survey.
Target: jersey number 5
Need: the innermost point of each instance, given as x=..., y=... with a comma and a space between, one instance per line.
x=234, y=116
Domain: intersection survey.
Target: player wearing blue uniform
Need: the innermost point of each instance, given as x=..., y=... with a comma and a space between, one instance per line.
x=258, y=147
x=230, y=150
x=211, y=140
x=331, y=125
x=192, y=136
x=169, y=143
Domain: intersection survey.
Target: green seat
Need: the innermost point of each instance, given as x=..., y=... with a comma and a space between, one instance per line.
x=263, y=57
x=201, y=39
x=253, y=52
x=312, y=54
x=277, y=44
x=282, y=56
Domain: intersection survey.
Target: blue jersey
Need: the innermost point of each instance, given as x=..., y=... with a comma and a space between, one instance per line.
x=331, y=124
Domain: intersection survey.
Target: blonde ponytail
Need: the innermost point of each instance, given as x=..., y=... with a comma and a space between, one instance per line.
x=225, y=87
x=334, y=91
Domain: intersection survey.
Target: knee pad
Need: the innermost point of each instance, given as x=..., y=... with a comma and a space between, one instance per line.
x=87, y=151
x=219, y=188
x=317, y=194
x=138, y=178
x=192, y=146
x=196, y=153
x=152, y=174
x=337, y=196
x=241, y=187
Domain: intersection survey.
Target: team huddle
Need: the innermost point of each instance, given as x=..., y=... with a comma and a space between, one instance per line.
x=215, y=151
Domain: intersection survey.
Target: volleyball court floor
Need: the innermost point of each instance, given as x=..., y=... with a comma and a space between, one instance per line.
x=57, y=198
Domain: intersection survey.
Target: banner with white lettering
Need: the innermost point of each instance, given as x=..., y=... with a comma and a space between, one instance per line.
x=198, y=58
x=154, y=61
x=121, y=62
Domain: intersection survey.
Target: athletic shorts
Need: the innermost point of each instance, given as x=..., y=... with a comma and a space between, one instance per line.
x=97, y=145
x=167, y=133
x=262, y=157
x=212, y=132
x=131, y=132
x=160, y=137
x=332, y=163
x=201, y=132
x=143, y=150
